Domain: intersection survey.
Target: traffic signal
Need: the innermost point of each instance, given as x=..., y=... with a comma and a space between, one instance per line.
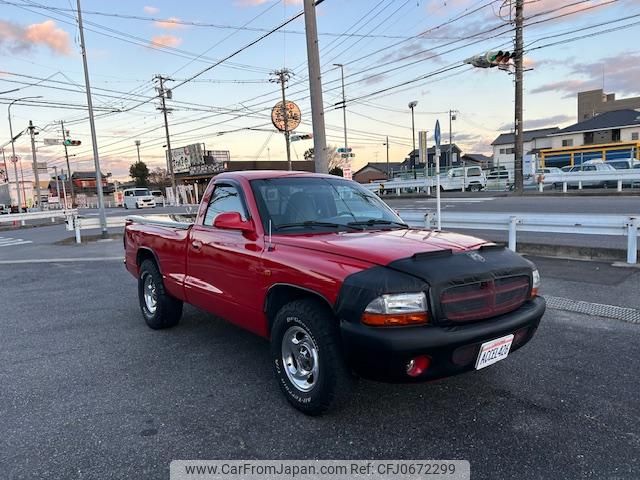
x=499, y=57
x=72, y=143
x=491, y=59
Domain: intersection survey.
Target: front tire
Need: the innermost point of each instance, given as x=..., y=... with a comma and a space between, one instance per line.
x=159, y=309
x=307, y=357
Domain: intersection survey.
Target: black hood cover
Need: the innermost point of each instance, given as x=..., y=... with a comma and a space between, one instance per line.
x=432, y=272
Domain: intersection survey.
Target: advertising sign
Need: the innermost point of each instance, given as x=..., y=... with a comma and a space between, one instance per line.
x=185, y=157
x=422, y=147
x=214, y=162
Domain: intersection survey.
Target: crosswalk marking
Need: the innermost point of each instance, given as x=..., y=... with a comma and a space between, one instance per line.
x=9, y=242
x=458, y=200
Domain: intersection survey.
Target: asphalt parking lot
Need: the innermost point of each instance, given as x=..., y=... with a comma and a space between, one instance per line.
x=88, y=391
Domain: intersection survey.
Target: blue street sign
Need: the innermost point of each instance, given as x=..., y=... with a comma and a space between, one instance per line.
x=436, y=134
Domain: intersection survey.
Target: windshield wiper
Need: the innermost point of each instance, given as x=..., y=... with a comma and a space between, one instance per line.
x=374, y=221
x=314, y=223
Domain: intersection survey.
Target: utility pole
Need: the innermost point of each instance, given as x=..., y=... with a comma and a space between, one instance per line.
x=55, y=169
x=412, y=159
x=449, y=160
x=163, y=94
x=282, y=77
x=92, y=124
x=387, y=144
x=32, y=134
x=6, y=170
x=66, y=156
x=14, y=159
x=344, y=105
x=519, y=187
x=315, y=88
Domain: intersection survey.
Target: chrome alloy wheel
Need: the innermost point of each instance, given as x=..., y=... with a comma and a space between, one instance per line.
x=300, y=358
x=150, y=294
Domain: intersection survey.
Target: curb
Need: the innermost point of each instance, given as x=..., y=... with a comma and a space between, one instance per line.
x=573, y=253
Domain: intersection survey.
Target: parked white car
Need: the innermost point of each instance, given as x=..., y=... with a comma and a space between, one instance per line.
x=473, y=179
x=138, y=198
x=589, y=167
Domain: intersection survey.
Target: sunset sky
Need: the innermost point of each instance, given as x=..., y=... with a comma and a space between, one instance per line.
x=388, y=42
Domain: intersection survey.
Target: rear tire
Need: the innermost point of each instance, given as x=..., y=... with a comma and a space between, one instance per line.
x=307, y=357
x=159, y=309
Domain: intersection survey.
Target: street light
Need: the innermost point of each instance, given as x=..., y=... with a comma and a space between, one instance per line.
x=138, y=148
x=14, y=159
x=412, y=105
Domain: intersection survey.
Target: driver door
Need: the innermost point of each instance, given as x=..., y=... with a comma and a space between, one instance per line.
x=224, y=274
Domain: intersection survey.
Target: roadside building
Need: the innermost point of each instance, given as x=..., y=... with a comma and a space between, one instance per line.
x=595, y=102
x=456, y=153
x=85, y=182
x=376, y=171
x=533, y=141
x=477, y=159
x=607, y=136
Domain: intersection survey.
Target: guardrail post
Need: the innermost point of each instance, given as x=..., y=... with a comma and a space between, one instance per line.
x=76, y=224
x=580, y=185
x=619, y=185
x=512, y=233
x=632, y=240
x=564, y=187
x=428, y=220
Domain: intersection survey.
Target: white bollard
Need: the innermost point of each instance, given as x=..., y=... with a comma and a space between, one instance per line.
x=76, y=223
x=619, y=185
x=580, y=185
x=632, y=240
x=512, y=233
x=564, y=187
x=541, y=187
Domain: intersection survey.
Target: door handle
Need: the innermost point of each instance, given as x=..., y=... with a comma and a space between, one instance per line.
x=196, y=245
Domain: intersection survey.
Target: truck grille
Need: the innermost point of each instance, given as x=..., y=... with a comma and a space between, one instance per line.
x=480, y=300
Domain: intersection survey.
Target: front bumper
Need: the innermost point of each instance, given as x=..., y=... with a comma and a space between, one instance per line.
x=382, y=353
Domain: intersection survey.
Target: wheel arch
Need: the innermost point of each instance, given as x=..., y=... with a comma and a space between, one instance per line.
x=280, y=294
x=145, y=253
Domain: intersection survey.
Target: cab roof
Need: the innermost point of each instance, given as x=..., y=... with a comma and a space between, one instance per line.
x=265, y=174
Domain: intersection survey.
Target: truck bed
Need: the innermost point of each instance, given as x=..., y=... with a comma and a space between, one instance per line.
x=165, y=237
x=171, y=220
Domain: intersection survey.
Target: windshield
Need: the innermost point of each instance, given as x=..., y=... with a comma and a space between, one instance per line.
x=141, y=193
x=312, y=204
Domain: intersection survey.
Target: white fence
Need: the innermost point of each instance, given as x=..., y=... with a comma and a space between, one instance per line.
x=621, y=179
x=583, y=224
x=24, y=217
x=581, y=179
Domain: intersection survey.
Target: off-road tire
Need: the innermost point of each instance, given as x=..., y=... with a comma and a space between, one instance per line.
x=334, y=381
x=168, y=309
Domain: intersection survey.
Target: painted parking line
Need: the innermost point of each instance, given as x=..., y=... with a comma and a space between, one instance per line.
x=10, y=242
x=61, y=260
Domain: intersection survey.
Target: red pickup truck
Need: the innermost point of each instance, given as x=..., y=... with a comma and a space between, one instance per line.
x=336, y=280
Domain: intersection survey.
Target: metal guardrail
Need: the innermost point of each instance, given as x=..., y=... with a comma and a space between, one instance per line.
x=620, y=177
x=582, y=224
x=24, y=217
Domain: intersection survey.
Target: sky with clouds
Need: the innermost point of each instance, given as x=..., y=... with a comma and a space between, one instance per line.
x=393, y=51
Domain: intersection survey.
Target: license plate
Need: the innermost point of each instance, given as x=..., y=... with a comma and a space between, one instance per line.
x=494, y=351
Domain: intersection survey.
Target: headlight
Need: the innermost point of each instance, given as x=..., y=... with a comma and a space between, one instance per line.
x=396, y=310
x=536, y=282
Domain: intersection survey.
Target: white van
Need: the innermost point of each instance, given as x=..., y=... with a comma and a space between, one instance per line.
x=473, y=178
x=138, y=198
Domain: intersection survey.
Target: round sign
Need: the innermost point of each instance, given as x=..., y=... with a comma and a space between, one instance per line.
x=293, y=116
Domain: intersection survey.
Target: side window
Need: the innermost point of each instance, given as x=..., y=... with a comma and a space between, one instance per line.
x=225, y=198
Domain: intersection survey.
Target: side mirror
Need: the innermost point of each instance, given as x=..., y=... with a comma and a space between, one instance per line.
x=232, y=221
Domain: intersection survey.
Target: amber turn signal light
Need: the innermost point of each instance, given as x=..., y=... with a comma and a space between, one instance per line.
x=394, y=319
